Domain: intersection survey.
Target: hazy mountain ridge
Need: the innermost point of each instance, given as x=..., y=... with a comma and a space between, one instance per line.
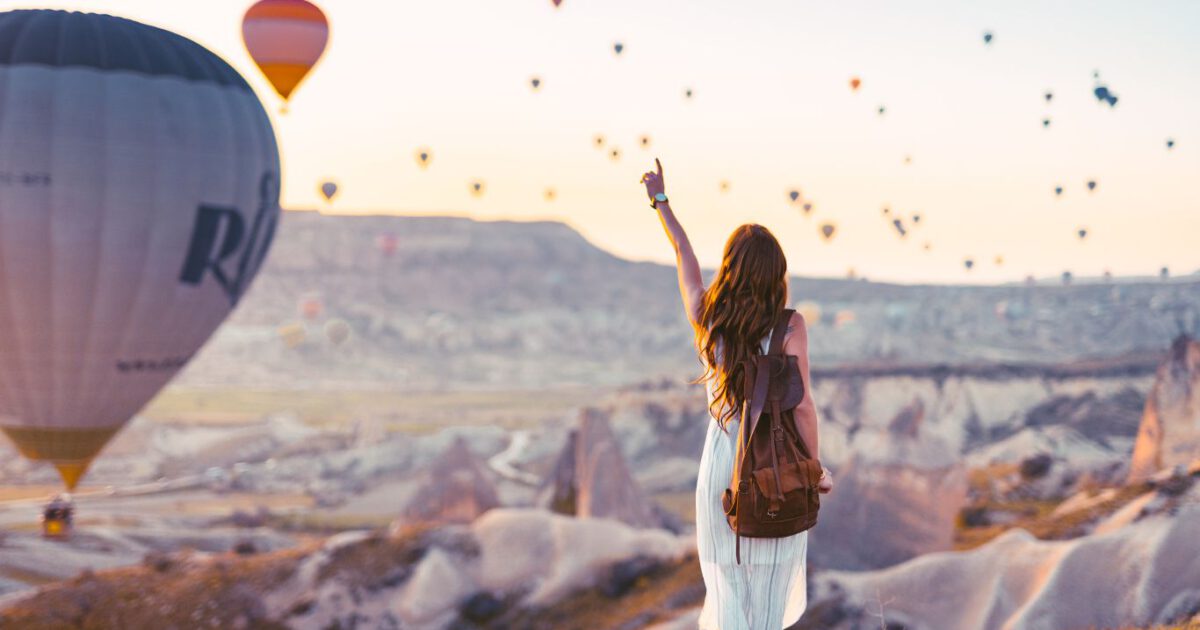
x=508, y=304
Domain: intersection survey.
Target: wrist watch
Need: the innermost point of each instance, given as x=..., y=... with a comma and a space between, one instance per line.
x=657, y=199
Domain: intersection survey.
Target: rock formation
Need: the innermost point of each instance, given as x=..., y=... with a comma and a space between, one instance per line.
x=1170, y=431
x=592, y=479
x=455, y=488
x=895, y=497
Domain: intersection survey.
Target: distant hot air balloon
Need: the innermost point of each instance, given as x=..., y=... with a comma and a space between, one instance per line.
x=999, y=260
x=908, y=159
x=1049, y=96
x=794, y=195
x=899, y=225
x=387, y=243
x=807, y=207
x=292, y=334
x=1066, y=277
x=644, y=141
x=143, y=197
x=927, y=246
x=1108, y=275
x=618, y=48
x=1164, y=273
x=614, y=154
x=535, y=83
x=285, y=38
x=969, y=264
x=1091, y=185
x=549, y=194
x=310, y=307
x=337, y=331
x=854, y=83
x=557, y=3
x=476, y=187
x=1058, y=190
x=1170, y=143
x=886, y=211
x=424, y=157
x=882, y=110
x=329, y=190
x=1082, y=233
x=987, y=37
x=827, y=231
x=1104, y=95
x=845, y=317
x=916, y=218
x=1045, y=122
x=598, y=141
x=687, y=93
x=724, y=186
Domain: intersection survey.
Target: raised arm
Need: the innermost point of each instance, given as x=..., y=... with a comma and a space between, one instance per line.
x=805, y=414
x=691, y=284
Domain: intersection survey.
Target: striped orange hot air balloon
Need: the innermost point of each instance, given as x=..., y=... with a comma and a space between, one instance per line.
x=285, y=38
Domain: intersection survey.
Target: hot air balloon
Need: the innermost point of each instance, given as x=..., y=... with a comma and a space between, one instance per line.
x=1164, y=273
x=807, y=207
x=1049, y=96
x=1058, y=190
x=899, y=225
x=845, y=317
x=387, y=243
x=329, y=190
x=969, y=264
x=1045, y=122
x=927, y=246
x=310, y=306
x=1091, y=185
x=724, y=186
x=1082, y=232
x=292, y=334
x=132, y=226
x=887, y=211
x=1066, y=277
x=550, y=194
x=827, y=231
x=908, y=159
x=854, y=83
x=987, y=37
x=794, y=195
x=614, y=154
x=882, y=110
x=598, y=141
x=424, y=157
x=687, y=93
x=557, y=3
x=618, y=48
x=1104, y=95
x=1170, y=143
x=644, y=141
x=477, y=187
x=535, y=83
x=285, y=38
x=916, y=218
x=337, y=331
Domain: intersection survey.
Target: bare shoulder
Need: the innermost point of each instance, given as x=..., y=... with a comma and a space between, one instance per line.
x=796, y=341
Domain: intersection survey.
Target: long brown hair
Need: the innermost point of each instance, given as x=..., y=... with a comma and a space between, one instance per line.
x=738, y=309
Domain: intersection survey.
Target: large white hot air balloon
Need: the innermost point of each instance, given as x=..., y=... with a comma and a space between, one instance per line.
x=139, y=192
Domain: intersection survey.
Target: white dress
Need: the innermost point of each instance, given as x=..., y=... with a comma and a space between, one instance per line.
x=767, y=591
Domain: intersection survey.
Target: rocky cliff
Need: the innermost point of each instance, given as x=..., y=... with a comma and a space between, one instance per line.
x=1169, y=434
x=504, y=304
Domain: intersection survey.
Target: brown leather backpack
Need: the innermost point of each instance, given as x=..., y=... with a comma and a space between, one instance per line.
x=775, y=476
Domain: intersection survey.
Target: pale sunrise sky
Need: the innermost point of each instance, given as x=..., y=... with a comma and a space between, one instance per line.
x=772, y=110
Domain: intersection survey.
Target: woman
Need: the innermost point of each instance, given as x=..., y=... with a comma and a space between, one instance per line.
x=733, y=319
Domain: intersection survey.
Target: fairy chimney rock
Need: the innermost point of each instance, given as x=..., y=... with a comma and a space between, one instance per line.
x=1169, y=435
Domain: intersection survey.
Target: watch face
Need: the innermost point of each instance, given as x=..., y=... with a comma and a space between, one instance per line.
x=660, y=197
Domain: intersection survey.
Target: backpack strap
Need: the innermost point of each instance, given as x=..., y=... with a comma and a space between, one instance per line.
x=780, y=331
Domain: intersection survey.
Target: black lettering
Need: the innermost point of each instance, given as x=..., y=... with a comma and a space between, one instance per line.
x=206, y=254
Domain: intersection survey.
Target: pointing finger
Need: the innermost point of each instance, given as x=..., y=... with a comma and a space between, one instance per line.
x=659, y=165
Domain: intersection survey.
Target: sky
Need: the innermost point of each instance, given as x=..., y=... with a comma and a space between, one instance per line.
x=772, y=111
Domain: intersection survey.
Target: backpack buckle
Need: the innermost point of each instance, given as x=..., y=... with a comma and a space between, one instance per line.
x=779, y=434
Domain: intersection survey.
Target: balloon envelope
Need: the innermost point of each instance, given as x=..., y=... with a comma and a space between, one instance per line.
x=423, y=156
x=828, y=230
x=285, y=38
x=328, y=190
x=145, y=207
